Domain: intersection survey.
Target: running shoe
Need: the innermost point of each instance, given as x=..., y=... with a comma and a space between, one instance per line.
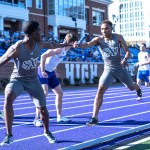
x=1, y=115
x=38, y=122
x=92, y=122
x=7, y=140
x=50, y=137
x=139, y=98
x=63, y=119
x=139, y=92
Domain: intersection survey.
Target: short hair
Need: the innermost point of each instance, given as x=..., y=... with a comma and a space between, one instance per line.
x=30, y=27
x=70, y=37
x=143, y=44
x=107, y=22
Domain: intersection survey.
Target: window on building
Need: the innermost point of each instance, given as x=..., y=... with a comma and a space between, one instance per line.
x=39, y=4
x=80, y=10
x=141, y=33
x=135, y=14
x=97, y=17
x=131, y=25
x=75, y=8
x=62, y=8
x=70, y=8
x=29, y=3
x=121, y=7
x=51, y=8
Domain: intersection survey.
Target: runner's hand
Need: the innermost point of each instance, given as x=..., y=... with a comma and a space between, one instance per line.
x=57, y=74
x=124, y=63
x=44, y=74
x=75, y=44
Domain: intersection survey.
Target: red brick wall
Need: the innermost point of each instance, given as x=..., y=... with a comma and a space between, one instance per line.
x=40, y=15
x=89, y=27
x=7, y=69
x=84, y=69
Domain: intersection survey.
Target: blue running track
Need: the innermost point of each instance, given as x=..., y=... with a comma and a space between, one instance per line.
x=120, y=114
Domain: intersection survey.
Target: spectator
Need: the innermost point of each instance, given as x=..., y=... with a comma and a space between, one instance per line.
x=83, y=56
x=6, y=44
x=16, y=34
x=2, y=38
x=71, y=55
x=96, y=55
x=90, y=55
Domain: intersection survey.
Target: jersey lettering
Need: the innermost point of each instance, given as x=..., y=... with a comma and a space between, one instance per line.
x=110, y=51
x=30, y=64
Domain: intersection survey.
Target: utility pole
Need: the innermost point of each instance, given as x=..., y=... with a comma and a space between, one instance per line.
x=75, y=20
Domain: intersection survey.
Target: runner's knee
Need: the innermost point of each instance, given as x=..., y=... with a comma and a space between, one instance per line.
x=101, y=91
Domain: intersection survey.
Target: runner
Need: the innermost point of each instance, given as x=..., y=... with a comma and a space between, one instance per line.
x=25, y=54
x=48, y=76
x=110, y=46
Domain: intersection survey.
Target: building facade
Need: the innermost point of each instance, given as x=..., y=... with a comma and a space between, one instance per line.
x=131, y=19
x=56, y=17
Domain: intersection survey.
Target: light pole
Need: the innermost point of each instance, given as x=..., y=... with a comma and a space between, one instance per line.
x=75, y=20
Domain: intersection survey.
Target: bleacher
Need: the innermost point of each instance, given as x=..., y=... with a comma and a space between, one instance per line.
x=77, y=53
x=134, y=52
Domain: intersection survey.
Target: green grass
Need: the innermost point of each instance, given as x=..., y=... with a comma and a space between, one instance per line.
x=141, y=146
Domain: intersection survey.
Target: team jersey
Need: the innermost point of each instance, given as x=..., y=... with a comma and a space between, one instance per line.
x=25, y=66
x=143, y=58
x=111, y=52
x=53, y=61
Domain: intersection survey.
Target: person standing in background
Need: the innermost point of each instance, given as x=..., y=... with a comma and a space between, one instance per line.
x=143, y=66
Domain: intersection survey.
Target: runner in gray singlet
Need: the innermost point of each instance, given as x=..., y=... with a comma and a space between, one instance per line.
x=114, y=67
x=24, y=77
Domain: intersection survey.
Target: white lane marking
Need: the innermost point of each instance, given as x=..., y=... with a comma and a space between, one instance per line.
x=133, y=144
x=91, y=112
x=22, y=97
x=112, y=119
x=71, y=102
x=106, y=138
x=76, y=107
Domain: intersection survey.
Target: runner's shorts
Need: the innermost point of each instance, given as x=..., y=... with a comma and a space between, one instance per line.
x=32, y=86
x=143, y=74
x=121, y=74
x=51, y=81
